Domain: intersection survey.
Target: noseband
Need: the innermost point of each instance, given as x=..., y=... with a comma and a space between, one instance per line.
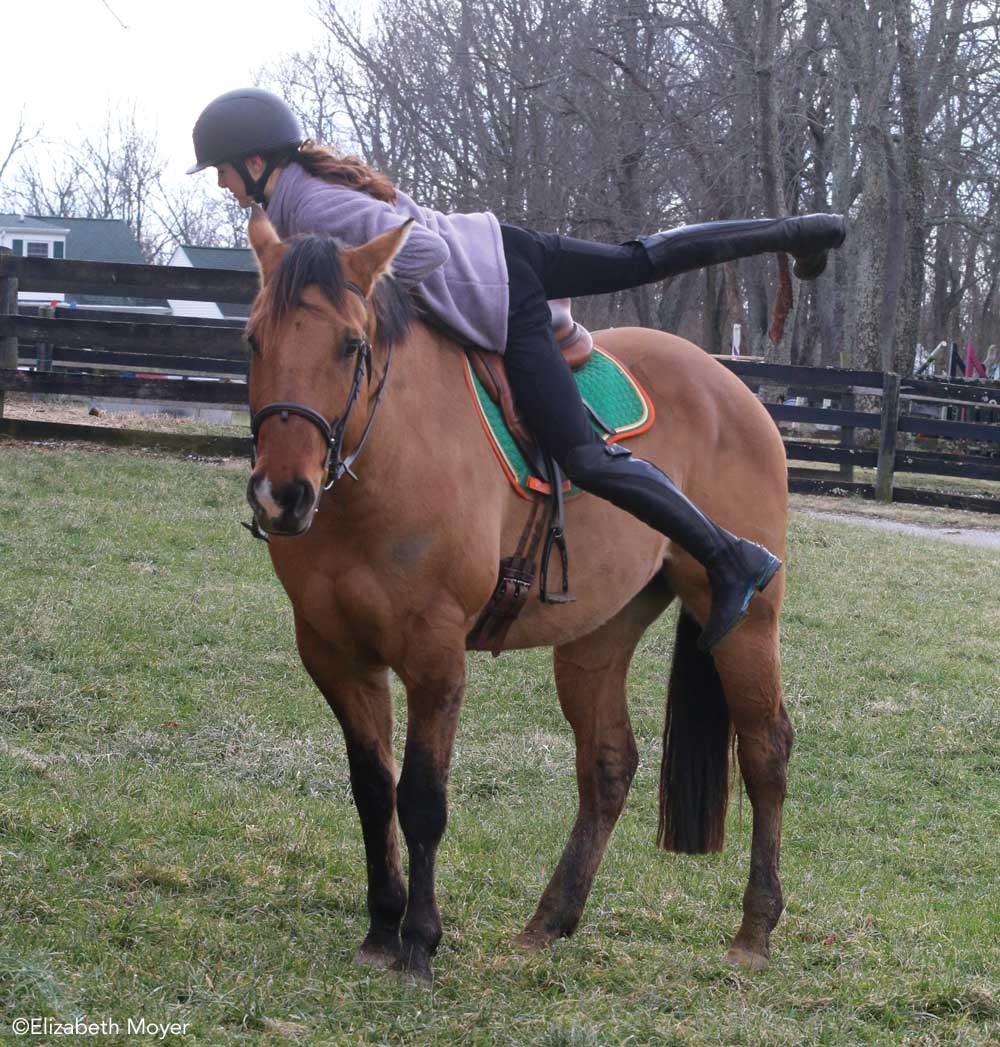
x=333, y=432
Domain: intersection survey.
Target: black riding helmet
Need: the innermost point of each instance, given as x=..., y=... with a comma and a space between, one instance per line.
x=242, y=123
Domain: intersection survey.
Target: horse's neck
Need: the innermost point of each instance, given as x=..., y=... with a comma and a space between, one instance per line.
x=422, y=425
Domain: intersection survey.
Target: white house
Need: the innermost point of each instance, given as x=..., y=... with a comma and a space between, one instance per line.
x=34, y=238
x=78, y=239
x=212, y=258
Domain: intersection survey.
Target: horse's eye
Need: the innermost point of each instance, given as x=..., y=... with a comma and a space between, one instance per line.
x=252, y=342
x=353, y=346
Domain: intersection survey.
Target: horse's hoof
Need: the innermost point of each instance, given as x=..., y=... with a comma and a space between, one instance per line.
x=413, y=965
x=418, y=975
x=531, y=940
x=740, y=957
x=381, y=957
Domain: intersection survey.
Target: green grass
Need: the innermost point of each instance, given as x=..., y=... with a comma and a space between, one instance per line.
x=177, y=838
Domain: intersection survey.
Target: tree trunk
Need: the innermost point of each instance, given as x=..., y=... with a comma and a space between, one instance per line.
x=770, y=166
x=911, y=291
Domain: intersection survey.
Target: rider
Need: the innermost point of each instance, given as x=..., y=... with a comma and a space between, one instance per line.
x=490, y=283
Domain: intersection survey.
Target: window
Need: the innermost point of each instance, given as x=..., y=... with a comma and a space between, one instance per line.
x=58, y=249
x=37, y=250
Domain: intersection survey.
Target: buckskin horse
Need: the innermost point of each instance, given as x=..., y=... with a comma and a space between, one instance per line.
x=390, y=568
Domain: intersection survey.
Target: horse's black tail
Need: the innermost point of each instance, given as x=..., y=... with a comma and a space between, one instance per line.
x=694, y=774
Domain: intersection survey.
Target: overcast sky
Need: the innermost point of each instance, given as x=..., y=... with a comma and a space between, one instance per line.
x=66, y=60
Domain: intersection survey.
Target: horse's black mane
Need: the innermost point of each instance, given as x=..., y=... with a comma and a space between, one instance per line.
x=315, y=261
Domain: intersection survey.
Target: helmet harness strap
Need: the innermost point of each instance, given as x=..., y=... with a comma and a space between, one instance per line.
x=255, y=186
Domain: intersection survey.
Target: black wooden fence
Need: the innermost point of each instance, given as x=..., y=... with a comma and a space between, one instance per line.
x=68, y=345
x=896, y=396
x=210, y=354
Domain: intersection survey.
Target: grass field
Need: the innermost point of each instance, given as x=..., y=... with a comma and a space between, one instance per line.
x=178, y=841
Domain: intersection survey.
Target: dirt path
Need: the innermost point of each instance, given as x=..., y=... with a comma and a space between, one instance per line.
x=989, y=539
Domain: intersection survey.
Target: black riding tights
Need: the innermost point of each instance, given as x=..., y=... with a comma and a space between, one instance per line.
x=542, y=267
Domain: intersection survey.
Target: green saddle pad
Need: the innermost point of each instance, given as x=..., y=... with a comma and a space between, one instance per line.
x=605, y=385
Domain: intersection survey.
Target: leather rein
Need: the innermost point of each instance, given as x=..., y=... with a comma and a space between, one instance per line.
x=332, y=431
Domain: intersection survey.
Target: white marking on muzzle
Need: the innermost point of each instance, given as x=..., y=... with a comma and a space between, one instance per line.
x=265, y=499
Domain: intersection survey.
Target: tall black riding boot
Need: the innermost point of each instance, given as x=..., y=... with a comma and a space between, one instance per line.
x=808, y=238
x=736, y=567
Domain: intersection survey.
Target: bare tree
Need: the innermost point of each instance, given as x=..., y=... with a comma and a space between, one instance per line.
x=190, y=215
x=610, y=118
x=770, y=159
x=113, y=172
x=47, y=188
x=119, y=173
x=21, y=138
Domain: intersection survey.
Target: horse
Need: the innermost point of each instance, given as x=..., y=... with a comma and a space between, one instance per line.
x=388, y=568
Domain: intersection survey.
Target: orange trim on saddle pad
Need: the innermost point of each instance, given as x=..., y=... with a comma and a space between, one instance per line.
x=545, y=488
x=502, y=458
x=508, y=454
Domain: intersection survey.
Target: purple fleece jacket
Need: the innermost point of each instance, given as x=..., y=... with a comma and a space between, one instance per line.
x=456, y=259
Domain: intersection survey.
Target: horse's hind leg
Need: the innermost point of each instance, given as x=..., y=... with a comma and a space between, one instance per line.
x=749, y=667
x=363, y=705
x=590, y=678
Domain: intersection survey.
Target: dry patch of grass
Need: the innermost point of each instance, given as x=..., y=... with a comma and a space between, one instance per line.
x=929, y=516
x=76, y=411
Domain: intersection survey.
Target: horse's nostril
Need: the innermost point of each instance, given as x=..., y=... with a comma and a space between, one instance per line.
x=303, y=497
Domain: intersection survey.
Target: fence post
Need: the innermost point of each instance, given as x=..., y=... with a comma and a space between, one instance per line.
x=8, y=307
x=847, y=436
x=887, y=438
x=43, y=351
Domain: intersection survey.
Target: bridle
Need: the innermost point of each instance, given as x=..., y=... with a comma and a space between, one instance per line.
x=332, y=431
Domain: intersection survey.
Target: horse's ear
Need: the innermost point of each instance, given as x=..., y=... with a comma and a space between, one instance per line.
x=367, y=263
x=266, y=243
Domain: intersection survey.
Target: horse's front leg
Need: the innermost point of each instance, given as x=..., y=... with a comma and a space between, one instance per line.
x=434, y=696
x=361, y=700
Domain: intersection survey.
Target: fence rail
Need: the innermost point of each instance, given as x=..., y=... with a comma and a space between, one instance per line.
x=66, y=346
x=189, y=390
x=132, y=281
x=179, y=339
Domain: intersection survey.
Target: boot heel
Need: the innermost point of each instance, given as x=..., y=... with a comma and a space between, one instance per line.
x=767, y=574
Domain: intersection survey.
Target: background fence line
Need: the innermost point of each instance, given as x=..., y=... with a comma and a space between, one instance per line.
x=65, y=345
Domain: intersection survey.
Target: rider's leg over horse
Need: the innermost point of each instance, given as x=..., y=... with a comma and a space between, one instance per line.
x=541, y=267
x=570, y=268
x=807, y=239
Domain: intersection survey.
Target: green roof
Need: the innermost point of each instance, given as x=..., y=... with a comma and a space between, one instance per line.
x=16, y=223
x=240, y=258
x=87, y=239
x=100, y=240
